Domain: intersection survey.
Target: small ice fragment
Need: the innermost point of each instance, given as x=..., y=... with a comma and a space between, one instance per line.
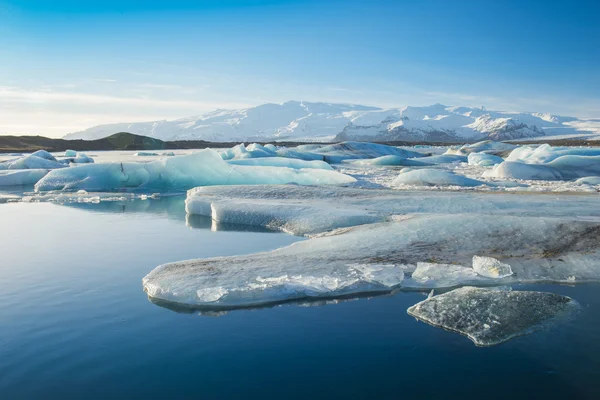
x=491, y=267
x=489, y=317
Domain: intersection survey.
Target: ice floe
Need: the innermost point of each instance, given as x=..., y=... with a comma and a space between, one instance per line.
x=490, y=316
x=538, y=249
x=305, y=210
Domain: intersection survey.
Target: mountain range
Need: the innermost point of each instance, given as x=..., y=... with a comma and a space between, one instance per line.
x=309, y=121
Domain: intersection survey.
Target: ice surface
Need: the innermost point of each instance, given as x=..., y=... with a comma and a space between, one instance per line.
x=491, y=267
x=538, y=249
x=21, y=177
x=203, y=168
x=484, y=160
x=434, y=177
x=488, y=316
x=308, y=210
x=281, y=162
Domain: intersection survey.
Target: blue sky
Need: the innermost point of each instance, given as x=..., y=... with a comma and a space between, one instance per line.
x=67, y=65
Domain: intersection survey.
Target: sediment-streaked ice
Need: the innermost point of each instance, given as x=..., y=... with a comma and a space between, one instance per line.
x=203, y=168
x=491, y=316
x=303, y=210
x=538, y=249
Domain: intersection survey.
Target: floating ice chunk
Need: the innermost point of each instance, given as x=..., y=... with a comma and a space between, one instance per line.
x=393, y=160
x=433, y=275
x=434, y=177
x=43, y=154
x=303, y=210
x=168, y=154
x=517, y=170
x=336, y=153
x=491, y=267
x=263, y=285
x=21, y=177
x=545, y=153
x=489, y=317
x=70, y=153
x=282, y=162
x=240, y=151
x=443, y=159
x=484, y=160
x=588, y=180
x=486, y=146
x=545, y=249
x=203, y=168
x=145, y=154
x=33, y=162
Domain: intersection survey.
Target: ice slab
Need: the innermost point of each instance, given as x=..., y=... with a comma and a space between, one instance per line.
x=538, y=249
x=433, y=275
x=484, y=160
x=25, y=177
x=434, y=177
x=490, y=316
x=177, y=173
x=305, y=210
x=281, y=162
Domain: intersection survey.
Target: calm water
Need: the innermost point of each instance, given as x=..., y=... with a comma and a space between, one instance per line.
x=75, y=323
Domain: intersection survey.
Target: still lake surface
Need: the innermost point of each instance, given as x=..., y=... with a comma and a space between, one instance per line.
x=75, y=323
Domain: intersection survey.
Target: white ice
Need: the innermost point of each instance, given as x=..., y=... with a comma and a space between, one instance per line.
x=305, y=210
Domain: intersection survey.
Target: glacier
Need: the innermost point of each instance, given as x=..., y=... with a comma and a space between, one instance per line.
x=177, y=173
x=490, y=316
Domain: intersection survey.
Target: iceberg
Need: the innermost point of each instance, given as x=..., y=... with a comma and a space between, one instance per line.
x=43, y=154
x=308, y=210
x=145, y=154
x=31, y=161
x=339, y=152
x=393, y=161
x=253, y=150
x=70, y=153
x=281, y=162
x=24, y=177
x=484, y=160
x=486, y=146
x=538, y=249
x=491, y=316
x=178, y=173
x=434, y=177
x=517, y=170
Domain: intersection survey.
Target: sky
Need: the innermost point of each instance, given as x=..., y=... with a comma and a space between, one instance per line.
x=66, y=65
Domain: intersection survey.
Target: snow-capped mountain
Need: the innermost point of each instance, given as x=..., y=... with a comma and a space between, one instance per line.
x=305, y=121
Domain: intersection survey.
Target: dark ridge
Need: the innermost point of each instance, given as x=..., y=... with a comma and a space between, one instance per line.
x=129, y=141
